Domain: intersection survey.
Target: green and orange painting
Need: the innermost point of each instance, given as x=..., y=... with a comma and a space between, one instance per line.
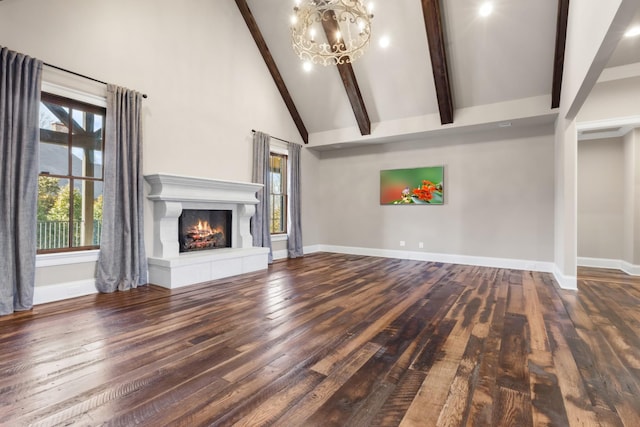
x=421, y=186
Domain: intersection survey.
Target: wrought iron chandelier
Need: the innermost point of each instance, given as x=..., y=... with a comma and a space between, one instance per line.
x=346, y=24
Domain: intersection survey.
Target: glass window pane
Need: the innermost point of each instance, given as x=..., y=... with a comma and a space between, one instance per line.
x=53, y=213
x=87, y=145
x=87, y=213
x=54, y=158
x=54, y=117
x=54, y=139
x=78, y=121
x=47, y=118
x=278, y=211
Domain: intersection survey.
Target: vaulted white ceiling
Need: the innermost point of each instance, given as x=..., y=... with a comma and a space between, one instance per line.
x=500, y=69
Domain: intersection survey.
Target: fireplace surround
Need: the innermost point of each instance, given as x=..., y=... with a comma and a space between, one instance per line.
x=171, y=194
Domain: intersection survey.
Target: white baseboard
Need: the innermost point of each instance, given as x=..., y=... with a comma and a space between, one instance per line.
x=632, y=269
x=565, y=282
x=311, y=249
x=515, y=264
x=281, y=254
x=616, y=264
x=60, y=291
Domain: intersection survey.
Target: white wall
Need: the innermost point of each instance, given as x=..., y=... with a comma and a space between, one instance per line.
x=208, y=86
x=601, y=198
x=311, y=181
x=614, y=104
x=593, y=32
x=610, y=100
x=498, y=193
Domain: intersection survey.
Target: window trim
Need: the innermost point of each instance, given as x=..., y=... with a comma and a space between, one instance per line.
x=50, y=259
x=280, y=237
x=62, y=84
x=91, y=108
x=74, y=94
x=281, y=150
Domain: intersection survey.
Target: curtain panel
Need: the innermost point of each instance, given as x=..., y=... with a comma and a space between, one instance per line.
x=20, y=78
x=260, y=175
x=294, y=239
x=122, y=263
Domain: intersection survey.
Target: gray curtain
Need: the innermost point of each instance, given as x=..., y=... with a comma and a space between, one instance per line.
x=20, y=78
x=122, y=263
x=260, y=220
x=294, y=240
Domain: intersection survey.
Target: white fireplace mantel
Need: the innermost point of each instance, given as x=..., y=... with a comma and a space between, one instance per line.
x=173, y=193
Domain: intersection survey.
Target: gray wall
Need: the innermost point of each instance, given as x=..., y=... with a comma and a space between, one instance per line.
x=601, y=198
x=499, y=196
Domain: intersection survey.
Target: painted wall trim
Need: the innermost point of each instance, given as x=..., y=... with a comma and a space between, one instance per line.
x=631, y=269
x=61, y=291
x=312, y=249
x=281, y=254
x=616, y=264
x=516, y=264
x=565, y=282
x=65, y=258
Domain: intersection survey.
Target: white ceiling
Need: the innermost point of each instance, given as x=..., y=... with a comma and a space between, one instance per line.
x=628, y=50
x=504, y=57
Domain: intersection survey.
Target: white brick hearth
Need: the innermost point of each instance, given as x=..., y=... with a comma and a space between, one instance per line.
x=171, y=194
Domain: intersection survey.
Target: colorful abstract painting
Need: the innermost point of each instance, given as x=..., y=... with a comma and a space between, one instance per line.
x=421, y=186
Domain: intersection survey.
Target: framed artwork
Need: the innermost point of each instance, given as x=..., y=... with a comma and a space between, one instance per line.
x=419, y=186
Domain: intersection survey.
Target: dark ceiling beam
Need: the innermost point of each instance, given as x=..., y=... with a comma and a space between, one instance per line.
x=273, y=69
x=435, y=37
x=348, y=77
x=558, y=60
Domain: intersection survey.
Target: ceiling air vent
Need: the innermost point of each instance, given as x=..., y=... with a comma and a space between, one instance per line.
x=591, y=131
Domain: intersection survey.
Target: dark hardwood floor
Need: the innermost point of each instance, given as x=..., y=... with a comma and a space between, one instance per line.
x=333, y=340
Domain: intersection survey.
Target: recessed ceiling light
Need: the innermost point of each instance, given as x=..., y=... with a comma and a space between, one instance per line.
x=504, y=124
x=633, y=31
x=307, y=66
x=384, y=42
x=486, y=9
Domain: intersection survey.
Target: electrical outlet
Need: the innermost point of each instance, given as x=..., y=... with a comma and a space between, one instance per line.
x=402, y=243
x=421, y=245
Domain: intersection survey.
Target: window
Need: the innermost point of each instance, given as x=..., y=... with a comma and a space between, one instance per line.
x=70, y=180
x=278, y=193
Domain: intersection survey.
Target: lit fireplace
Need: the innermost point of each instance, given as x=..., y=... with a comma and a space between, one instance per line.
x=173, y=196
x=204, y=229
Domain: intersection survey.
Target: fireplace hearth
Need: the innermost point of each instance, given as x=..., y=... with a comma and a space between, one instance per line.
x=204, y=229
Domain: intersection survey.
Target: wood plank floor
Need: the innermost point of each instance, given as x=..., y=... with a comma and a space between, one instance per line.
x=333, y=340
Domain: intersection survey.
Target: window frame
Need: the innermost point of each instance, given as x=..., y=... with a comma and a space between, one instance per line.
x=72, y=104
x=284, y=216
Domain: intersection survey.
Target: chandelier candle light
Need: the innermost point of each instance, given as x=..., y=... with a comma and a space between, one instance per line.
x=346, y=23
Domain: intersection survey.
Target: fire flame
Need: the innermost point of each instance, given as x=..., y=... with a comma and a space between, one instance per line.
x=203, y=226
x=202, y=229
